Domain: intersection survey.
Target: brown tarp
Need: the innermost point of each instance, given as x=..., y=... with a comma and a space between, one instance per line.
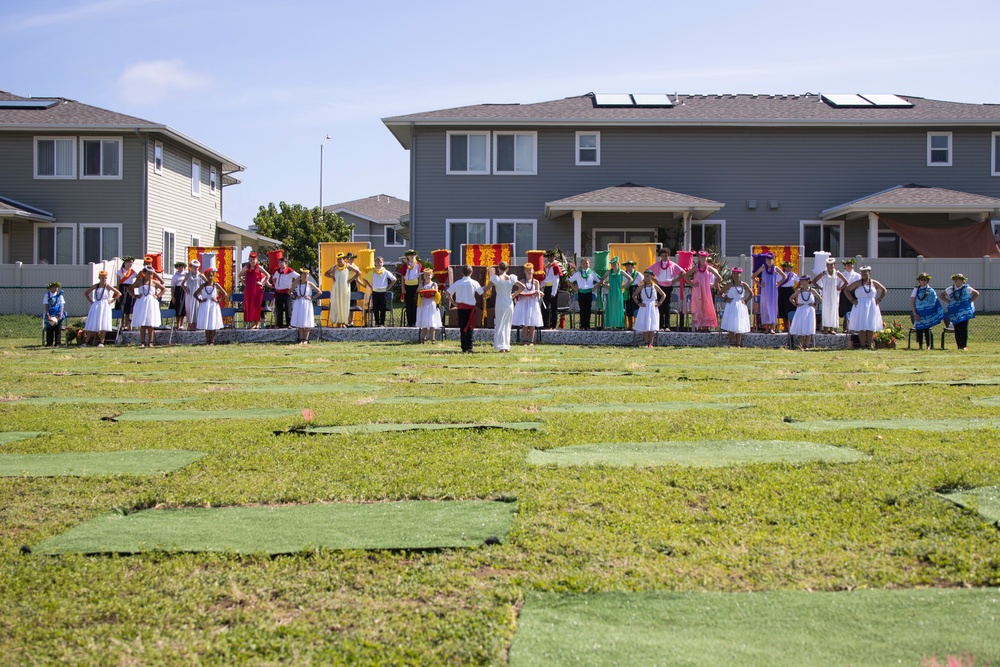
x=974, y=239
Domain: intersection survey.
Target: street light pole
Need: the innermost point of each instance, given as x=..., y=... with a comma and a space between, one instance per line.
x=321, y=147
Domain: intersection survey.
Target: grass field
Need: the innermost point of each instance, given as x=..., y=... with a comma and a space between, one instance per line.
x=815, y=526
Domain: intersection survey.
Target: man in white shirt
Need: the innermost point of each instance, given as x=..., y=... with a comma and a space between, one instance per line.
x=583, y=282
x=282, y=281
x=462, y=295
x=666, y=274
x=381, y=281
x=550, y=290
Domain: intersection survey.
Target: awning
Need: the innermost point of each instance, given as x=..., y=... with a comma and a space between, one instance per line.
x=632, y=198
x=973, y=239
x=915, y=198
x=10, y=208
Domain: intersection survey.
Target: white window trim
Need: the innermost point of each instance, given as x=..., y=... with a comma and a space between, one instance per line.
x=121, y=166
x=96, y=225
x=520, y=221
x=447, y=157
x=722, y=231
x=595, y=230
x=196, y=242
x=994, y=154
x=447, y=231
x=396, y=230
x=34, y=249
x=813, y=223
x=158, y=148
x=169, y=261
x=534, y=157
x=195, y=182
x=213, y=180
x=951, y=149
x=34, y=158
x=596, y=163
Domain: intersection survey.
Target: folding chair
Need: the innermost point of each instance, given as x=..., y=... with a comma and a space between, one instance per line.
x=167, y=314
x=267, y=307
x=236, y=301
x=562, y=306
x=355, y=308
x=231, y=314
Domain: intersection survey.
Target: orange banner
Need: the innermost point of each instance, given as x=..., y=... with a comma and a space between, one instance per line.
x=224, y=258
x=487, y=254
x=782, y=253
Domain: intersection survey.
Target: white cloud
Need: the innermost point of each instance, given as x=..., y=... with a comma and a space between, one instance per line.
x=156, y=81
x=83, y=11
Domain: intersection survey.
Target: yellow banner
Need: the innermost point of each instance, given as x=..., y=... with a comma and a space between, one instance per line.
x=643, y=254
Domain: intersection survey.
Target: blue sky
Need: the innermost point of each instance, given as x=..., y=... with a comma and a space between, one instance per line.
x=263, y=81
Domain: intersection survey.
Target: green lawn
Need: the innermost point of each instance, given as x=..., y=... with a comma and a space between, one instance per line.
x=877, y=523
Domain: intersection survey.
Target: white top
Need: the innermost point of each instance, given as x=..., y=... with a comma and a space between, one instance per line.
x=465, y=291
x=851, y=276
x=380, y=283
x=665, y=274
x=192, y=281
x=587, y=282
x=951, y=290
x=790, y=279
x=412, y=273
x=551, y=278
x=177, y=278
x=129, y=280
x=283, y=281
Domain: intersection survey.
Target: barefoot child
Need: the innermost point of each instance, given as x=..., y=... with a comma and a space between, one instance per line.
x=736, y=316
x=805, y=298
x=649, y=296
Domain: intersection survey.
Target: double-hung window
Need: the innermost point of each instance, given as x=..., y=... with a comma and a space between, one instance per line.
x=514, y=153
x=100, y=243
x=158, y=158
x=826, y=236
x=213, y=180
x=55, y=157
x=588, y=148
x=520, y=233
x=169, y=247
x=709, y=236
x=468, y=153
x=195, y=177
x=54, y=244
x=393, y=237
x=101, y=158
x=939, y=149
x=465, y=232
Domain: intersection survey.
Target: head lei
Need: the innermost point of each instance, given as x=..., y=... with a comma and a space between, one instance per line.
x=865, y=268
x=529, y=265
x=128, y=258
x=959, y=276
x=703, y=253
x=924, y=276
x=784, y=264
x=737, y=269
x=614, y=260
x=850, y=260
x=648, y=272
x=56, y=284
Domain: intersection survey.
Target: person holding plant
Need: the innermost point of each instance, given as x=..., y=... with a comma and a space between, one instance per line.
x=303, y=293
x=616, y=281
x=736, y=316
x=528, y=311
x=961, y=299
x=649, y=297
x=428, y=312
x=925, y=310
x=98, y=321
x=54, y=305
x=209, y=312
x=146, y=311
x=866, y=316
x=805, y=298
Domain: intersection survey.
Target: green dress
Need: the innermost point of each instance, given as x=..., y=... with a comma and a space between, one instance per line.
x=614, y=315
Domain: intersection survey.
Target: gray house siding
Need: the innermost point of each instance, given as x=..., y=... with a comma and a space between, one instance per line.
x=804, y=170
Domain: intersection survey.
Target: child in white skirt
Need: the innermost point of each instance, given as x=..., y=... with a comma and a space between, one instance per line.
x=528, y=309
x=302, y=294
x=209, y=317
x=736, y=316
x=146, y=308
x=805, y=298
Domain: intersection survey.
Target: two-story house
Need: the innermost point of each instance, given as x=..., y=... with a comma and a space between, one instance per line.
x=378, y=220
x=873, y=175
x=81, y=185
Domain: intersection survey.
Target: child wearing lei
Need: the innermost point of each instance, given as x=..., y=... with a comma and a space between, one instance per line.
x=925, y=310
x=769, y=276
x=736, y=316
x=961, y=300
x=649, y=296
x=805, y=299
x=100, y=296
x=703, y=317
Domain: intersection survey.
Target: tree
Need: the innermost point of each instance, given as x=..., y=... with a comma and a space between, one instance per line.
x=301, y=230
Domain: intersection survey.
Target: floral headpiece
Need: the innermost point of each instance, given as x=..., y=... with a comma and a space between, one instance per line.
x=959, y=276
x=864, y=268
x=704, y=253
x=56, y=284
x=737, y=270
x=614, y=260
x=529, y=265
x=850, y=260
x=924, y=276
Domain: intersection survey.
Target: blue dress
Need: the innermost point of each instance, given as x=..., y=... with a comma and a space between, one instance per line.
x=928, y=308
x=960, y=308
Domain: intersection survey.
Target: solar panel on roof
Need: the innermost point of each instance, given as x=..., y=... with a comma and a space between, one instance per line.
x=612, y=100
x=652, y=100
x=27, y=104
x=886, y=100
x=846, y=100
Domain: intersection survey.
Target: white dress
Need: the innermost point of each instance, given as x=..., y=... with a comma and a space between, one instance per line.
x=647, y=318
x=209, y=313
x=528, y=310
x=428, y=312
x=804, y=321
x=340, y=297
x=303, y=314
x=503, y=310
x=736, y=317
x=831, y=299
x=866, y=315
x=99, y=313
x=191, y=283
x=146, y=311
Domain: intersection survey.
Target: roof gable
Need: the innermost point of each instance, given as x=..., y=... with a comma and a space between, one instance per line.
x=382, y=209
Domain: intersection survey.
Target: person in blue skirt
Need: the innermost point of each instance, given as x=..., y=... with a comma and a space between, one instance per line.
x=54, y=304
x=925, y=310
x=961, y=299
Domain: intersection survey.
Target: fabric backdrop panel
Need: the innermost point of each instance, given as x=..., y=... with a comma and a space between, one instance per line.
x=487, y=254
x=782, y=253
x=970, y=240
x=328, y=257
x=643, y=254
x=225, y=258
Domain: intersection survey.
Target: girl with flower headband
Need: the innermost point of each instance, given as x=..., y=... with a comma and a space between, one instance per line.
x=146, y=311
x=736, y=316
x=617, y=281
x=209, y=312
x=428, y=311
x=528, y=310
x=866, y=316
x=303, y=293
x=961, y=299
x=925, y=310
x=54, y=303
x=768, y=275
x=98, y=323
x=649, y=296
x=703, y=317
x=805, y=299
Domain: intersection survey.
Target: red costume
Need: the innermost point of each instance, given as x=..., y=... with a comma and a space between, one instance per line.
x=253, y=293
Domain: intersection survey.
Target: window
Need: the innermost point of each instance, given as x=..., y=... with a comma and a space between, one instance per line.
x=708, y=236
x=169, y=248
x=464, y=232
x=588, y=148
x=521, y=233
x=195, y=177
x=102, y=158
x=825, y=236
x=55, y=157
x=213, y=180
x=890, y=245
x=468, y=153
x=100, y=243
x=996, y=154
x=54, y=244
x=158, y=158
x=195, y=241
x=603, y=237
x=939, y=149
x=514, y=153
x=393, y=237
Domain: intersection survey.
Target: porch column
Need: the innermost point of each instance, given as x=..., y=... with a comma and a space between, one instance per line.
x=577, y=234
x=686, y=227
x=873, y=235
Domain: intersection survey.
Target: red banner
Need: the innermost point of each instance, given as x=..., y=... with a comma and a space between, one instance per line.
x=225, y=256
x=487, y=254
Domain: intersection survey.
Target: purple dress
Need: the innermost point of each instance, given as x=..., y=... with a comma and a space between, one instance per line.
x=768, y=296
